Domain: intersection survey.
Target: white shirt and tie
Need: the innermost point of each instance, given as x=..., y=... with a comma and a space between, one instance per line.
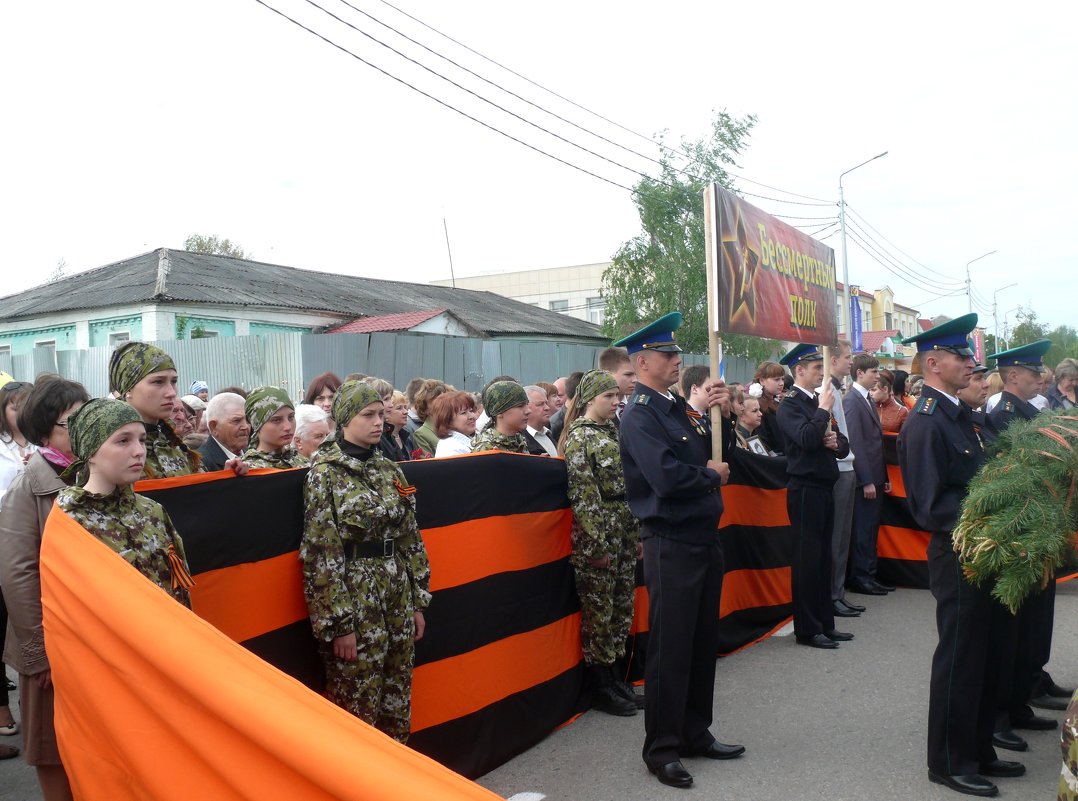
x=542, y=436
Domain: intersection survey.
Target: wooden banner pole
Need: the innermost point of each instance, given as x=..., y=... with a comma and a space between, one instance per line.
x=713, y=250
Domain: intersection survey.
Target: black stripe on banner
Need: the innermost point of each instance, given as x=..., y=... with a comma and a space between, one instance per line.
x=477, y=743
x=291, y=649
x=237, y=520
x=896, y=512
x=757, y=547
x=461, y=619
x=903, y=573
x=766, y=472
x=740, y=628
x=485, y=485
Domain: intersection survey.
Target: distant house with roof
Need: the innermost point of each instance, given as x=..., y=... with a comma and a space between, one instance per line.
x=174, y=294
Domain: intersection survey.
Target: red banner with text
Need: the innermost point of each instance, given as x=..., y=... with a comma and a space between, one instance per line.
x=773, y=280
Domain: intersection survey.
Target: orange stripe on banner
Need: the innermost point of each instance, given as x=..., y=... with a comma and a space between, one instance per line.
x=745, y=589
x=894, y=475
x=475, y=549
x=902, y=543
x=1064, y=579
x=151, y=484
x=762, y=637
x=460, y=685
x=752, y=506
x=234, y=599
x=640, y=612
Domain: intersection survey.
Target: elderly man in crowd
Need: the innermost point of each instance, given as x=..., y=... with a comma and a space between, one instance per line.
x=537, y=435
x=229, y=430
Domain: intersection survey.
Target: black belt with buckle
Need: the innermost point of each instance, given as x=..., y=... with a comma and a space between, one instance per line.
x=369, y=550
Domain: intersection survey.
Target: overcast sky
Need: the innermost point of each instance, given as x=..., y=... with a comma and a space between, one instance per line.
x=131, y=124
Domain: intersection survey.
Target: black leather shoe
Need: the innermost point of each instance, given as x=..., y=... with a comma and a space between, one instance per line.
x=1033, y=723
x=719, y=750
x=607, y=699
x=816, y=641
x=970, y=785
x=865, y=589
x=882, y=586
x=1048, y=702
x=840, y=609
x=1054, y=690
x=848, y=605
x=838, y=636
x=672, y=774
x=1009, y=741
x=626, y=691
x=1002, y=767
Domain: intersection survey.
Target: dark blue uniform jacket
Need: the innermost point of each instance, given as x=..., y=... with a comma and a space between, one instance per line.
x=803, y=425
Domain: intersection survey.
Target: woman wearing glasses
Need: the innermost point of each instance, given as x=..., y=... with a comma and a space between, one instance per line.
x=15, y=448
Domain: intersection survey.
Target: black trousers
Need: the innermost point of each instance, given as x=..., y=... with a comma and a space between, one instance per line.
x=866, y=530
x=812, y=514
x=962, y=693
x=684, y=583
x=1036, y=620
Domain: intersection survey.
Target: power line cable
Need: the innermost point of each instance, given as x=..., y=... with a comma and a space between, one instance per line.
x=909, y=272
x=684, y=153
x=895, y=270
x=892, y=244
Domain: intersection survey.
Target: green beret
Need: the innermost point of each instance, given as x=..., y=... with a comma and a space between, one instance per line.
x=593, y=384
x=132, y=362
x=501, y=396
x=261, y=405
x=93, y=423
x=352, y=398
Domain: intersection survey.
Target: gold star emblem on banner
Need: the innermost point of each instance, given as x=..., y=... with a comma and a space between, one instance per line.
x=744, y=260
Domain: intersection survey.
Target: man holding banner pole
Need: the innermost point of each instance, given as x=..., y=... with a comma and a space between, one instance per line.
x=672, y=486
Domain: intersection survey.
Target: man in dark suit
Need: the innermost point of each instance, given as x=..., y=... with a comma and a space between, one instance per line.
x=229, y=431
x=866, y=440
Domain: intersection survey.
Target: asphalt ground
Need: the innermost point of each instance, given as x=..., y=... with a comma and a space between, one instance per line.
x=834, y=725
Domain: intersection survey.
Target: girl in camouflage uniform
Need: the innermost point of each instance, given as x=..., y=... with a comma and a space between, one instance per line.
x=1068, y=780
x=108, y=439
x=506, y=403
x=272, y=417
x=605, y=538
x=365, y=570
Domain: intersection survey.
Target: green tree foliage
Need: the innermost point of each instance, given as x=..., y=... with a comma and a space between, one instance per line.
x=213, y=245
x=662, y=268
x=1030, y=329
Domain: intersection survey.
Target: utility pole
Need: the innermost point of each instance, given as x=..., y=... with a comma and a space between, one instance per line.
x=448, y=250
x=969, y=285
x=995, y=319
x=845, y=265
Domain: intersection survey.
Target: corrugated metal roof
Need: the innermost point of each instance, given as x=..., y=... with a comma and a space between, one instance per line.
x=386, y=322
x=205, y=279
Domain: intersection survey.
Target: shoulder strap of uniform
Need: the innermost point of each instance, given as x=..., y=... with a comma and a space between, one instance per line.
x=925, y=405
x=640, y=398
x=791, y=394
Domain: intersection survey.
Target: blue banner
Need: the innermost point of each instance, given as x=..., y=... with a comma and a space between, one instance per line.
x=855, y=324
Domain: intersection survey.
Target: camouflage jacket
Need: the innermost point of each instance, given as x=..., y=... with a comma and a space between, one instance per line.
x=280, y=460
x=166, y=456
x=347, y=500
x=601, y=516
x=489, y=439
x=1068, y=780
x=137, y=528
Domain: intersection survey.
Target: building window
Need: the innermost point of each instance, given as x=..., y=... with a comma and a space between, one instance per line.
x=866, y=319
x=559, y=306
x=595, y=310
x=887, y=318
x=45, y=343
x=5, y=350
x=118, y=338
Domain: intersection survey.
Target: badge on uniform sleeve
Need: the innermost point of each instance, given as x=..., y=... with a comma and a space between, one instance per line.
x=642, y=399
x=925, y=405
x=1008, y=406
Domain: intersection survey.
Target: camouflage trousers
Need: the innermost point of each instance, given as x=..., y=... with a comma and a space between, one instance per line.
x=606, y=603
x=377, y=687
x=1068, y=781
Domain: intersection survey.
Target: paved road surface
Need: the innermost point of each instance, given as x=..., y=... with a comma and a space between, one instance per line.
x=828, y=725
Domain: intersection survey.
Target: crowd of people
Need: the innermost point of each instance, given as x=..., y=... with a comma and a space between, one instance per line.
x=636, y=437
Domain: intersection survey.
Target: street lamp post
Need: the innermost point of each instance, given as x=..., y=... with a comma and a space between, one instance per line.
x=969, y=286
x=995, y=319
x=842, y=225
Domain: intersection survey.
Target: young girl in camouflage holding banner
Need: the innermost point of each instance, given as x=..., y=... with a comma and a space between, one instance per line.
x=272, y=416
x=365, y=570
x=605, y=536
x=108, y=440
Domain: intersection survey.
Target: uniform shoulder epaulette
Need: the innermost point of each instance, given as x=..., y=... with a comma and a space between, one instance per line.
x=791, y=394
x=641, y=398
x=1008, y=406
x=925, y=405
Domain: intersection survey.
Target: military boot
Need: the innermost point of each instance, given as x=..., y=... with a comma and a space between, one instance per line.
x=624, y=689
x=604, y=697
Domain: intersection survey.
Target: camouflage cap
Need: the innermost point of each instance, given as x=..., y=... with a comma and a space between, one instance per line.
x=593, y=384
x=501, y=396
x=132, y=362
x=93, y=423
x=262, y=404
x=352, y=398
